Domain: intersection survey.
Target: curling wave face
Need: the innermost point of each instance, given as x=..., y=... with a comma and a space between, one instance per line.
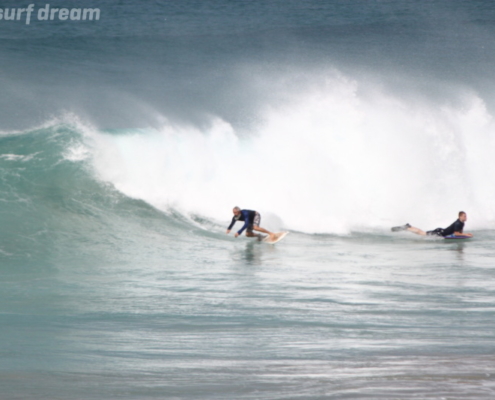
x=335, y=158
x=55, y=212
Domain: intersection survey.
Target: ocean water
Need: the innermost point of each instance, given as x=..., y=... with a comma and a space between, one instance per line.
x=126, y=141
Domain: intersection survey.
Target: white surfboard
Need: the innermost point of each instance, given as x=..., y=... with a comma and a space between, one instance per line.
x=278, y=237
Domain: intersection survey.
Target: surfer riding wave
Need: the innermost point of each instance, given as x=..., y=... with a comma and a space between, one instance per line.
x=252, y=221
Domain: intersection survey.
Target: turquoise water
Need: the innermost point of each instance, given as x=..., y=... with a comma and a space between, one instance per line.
x=193, y=313
x=104, y=296
x=125, y=144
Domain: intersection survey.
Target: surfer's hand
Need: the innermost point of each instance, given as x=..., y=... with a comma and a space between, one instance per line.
x=228, y=231
x=236, y=234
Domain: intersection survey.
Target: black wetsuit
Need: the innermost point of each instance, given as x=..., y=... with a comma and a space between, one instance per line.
x=457, y=226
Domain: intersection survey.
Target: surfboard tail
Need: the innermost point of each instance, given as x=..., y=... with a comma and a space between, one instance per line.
x=278, y=237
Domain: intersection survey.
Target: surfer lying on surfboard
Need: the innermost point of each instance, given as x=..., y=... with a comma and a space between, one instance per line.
x=455, y=229
x=251, y=222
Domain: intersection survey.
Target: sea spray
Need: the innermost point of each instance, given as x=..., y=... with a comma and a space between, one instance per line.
x=335, y=158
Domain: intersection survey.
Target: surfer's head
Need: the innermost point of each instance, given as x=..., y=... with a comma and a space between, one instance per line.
x=462, y=216
x=236, y=211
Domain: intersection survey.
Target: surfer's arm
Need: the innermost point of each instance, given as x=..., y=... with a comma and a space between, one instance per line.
x=458, y=229
x=245, y=214
x=463, y=234
x=231, y=225
x=246, y=223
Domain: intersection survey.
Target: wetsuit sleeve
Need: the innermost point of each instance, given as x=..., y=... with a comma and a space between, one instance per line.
x=231, y=224
x=246, y=221
x=458, y=226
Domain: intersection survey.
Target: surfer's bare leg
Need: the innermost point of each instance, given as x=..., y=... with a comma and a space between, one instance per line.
x=260, y=229
x=259, y=236
x=417, y=231
x=251, y=234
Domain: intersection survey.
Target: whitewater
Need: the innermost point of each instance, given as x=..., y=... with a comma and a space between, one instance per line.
x=336, y=159
x=124, y=146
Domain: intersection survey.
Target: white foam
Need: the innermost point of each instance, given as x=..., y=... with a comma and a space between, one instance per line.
x=18, y=157
x=77, y=152
x=333, y=158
